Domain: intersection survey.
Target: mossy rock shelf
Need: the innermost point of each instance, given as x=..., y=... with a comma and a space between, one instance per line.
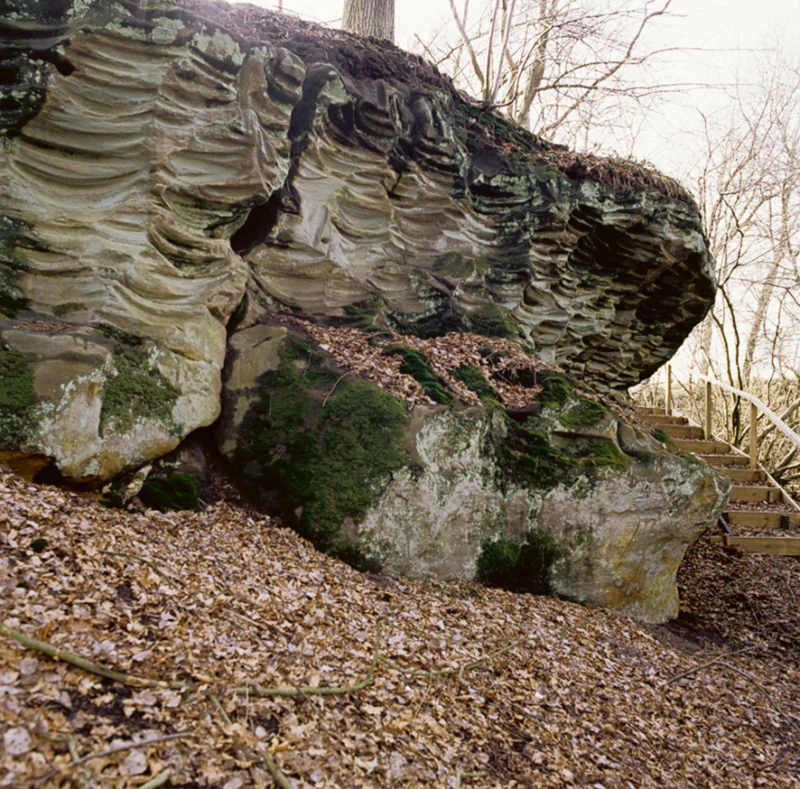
x=451, y=489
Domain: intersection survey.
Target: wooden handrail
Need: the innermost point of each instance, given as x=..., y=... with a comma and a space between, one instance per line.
x=756, y=405
x=754, y=401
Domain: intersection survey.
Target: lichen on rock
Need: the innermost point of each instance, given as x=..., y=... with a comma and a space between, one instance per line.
x=136, y=390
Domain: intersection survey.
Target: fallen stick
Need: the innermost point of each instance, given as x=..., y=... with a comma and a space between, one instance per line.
x=87, y=665
x=152, y=565
x=760, y=688
x=159, y=780
x=709, y=664
x=461, y=775
x=343, y=690
x=444, y=672
x=128, y=746
x=132, y=746
x=220, y=709
x=720, y=662
x=275, y=771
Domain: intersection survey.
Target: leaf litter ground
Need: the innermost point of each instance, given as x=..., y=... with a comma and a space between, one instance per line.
x=471, y=687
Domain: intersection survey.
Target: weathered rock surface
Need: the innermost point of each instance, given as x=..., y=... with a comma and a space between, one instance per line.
x=158, y=157
x=430, y=493
x=177, y=176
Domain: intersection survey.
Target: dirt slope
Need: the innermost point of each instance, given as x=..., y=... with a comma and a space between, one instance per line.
x=471, y=687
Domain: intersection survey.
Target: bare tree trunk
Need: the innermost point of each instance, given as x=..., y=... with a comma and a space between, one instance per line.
x=369, y=18
x=782, y=251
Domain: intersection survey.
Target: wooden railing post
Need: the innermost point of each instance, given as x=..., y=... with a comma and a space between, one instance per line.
x=668, y=409
x=709, y=410
x=753, y=435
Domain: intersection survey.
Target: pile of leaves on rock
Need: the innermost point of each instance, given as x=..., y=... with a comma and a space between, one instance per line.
x=214, y=649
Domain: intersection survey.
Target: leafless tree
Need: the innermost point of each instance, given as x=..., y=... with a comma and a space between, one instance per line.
x=746, y=183
x=554, y=66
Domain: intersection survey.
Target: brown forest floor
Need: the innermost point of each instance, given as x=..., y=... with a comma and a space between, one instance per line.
x=472, y=687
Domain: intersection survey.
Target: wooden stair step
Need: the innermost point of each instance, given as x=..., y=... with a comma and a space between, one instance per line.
x=755, y=493
x=780, y=546
x=650, y=410
x=663, y=419
x=683, y=431
x=746, y=474
x=726, y=460
x=757, y=519
x=701, y=446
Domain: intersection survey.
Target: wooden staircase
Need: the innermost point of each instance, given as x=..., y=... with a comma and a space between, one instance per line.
x=760, y=517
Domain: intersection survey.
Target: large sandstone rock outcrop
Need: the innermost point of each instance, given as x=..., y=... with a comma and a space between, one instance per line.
x=175, y=175
x=159, y=156
x=450, y=490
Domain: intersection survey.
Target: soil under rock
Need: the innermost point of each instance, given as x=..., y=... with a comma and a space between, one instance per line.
x=267, y=659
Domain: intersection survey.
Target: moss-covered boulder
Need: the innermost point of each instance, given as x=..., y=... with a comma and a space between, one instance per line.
x=564, y=498
x=314, y=442
x=95, y=402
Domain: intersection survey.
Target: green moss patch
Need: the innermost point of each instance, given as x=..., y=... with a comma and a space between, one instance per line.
x=12, y=299
x=474, y=379
x=527, y=458
x=325, y=445
x=175, y=492
x=519, y=567
x=585, y=413
x=361, y=315
x=492, y=321
x=67, y=308
x=418, y=367
x=114, y=333
x=664, y=437
x=440, y=319
x=137, y=390
x=601, y=454
x=17, y=397
x=557, y=387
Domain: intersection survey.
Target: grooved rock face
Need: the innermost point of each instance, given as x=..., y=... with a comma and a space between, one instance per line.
x=165, y=164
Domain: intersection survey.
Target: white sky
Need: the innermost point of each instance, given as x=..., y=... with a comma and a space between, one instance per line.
x=718, y=24
x=719, y=28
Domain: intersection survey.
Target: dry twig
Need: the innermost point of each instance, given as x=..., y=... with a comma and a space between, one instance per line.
x=159, y=780
x=344, y=690
x=128, y=746
x=87, y=665
x=710, y=663
x=763, y=692
x=152, y=565
x=220, y=709
x=333, y=388
x=275, y=771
